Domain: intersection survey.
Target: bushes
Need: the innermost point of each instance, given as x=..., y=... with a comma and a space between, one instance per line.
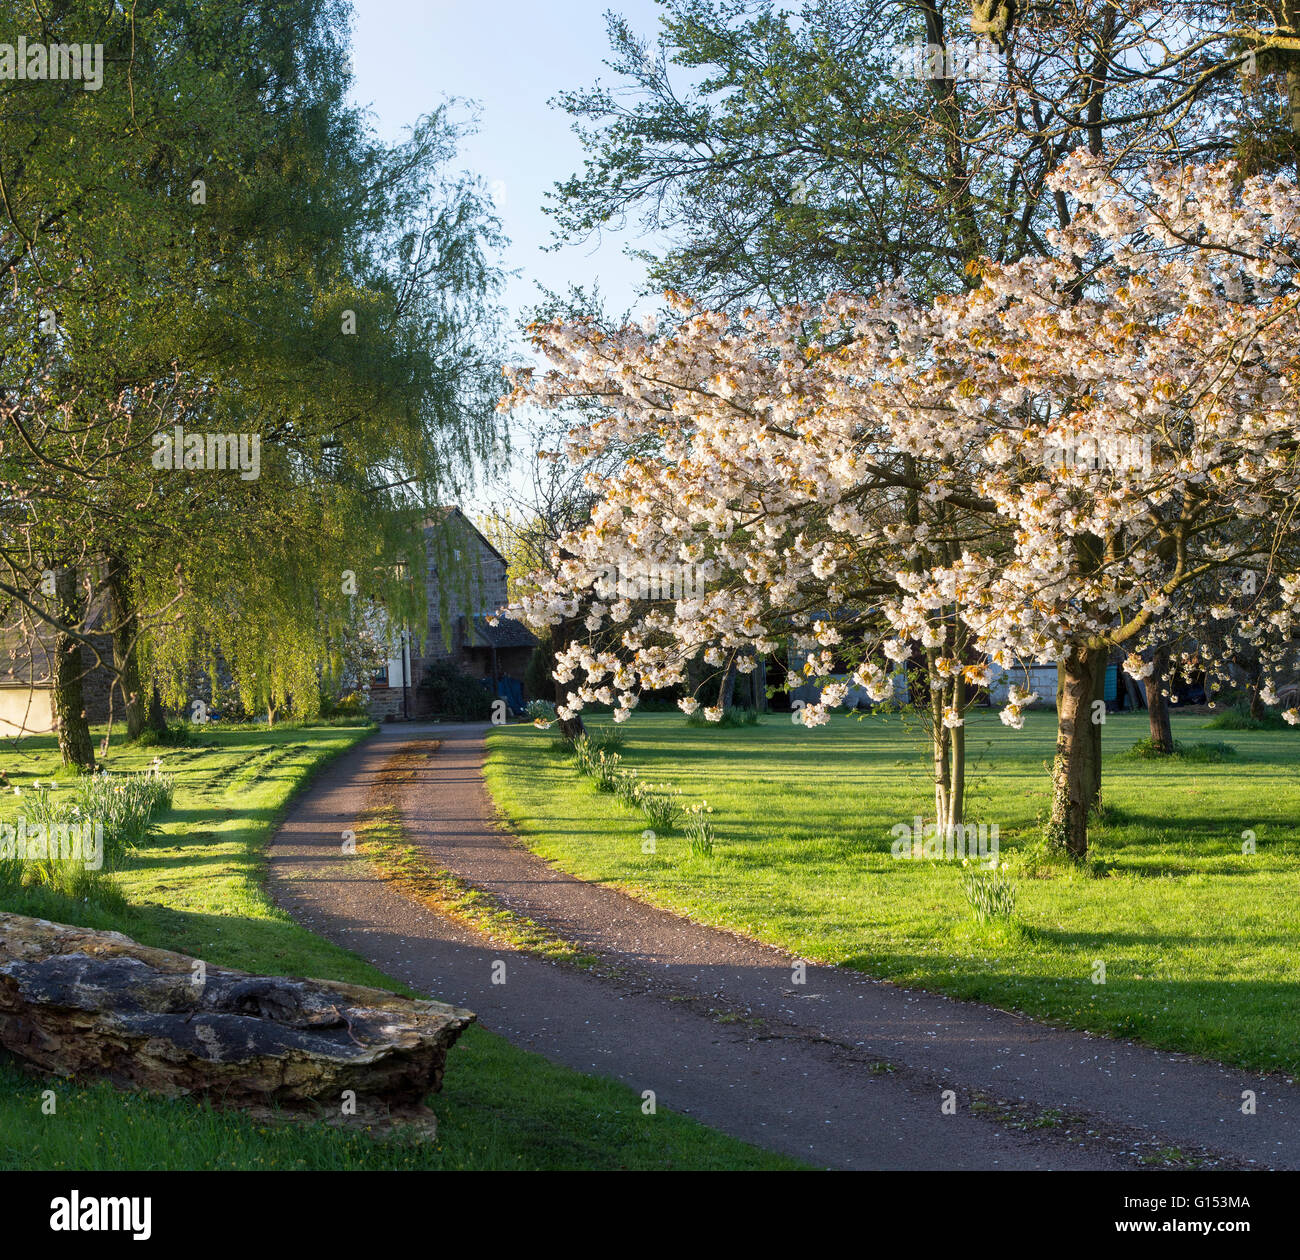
x=451, y=693
x=541, y=712
x=352, y=705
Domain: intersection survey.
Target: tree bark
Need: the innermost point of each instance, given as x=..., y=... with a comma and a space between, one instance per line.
x=941, y=738
x=75, y=745
x=727, y=689
x=1157, y=686
x=121, y=609
x=570, y=728
x=1096, y=719
x=758, y=683
x=1075, y=774
x=157, y=719
x=957, y=783
x=1258, y=711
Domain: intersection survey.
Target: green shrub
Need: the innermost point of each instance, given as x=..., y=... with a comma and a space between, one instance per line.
x=537, y=673
x=352, y=705
x=541, y=712
x=173, y=735
x=451, y=692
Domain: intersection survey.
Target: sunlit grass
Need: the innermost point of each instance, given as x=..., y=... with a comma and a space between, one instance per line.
x=1198, y=939
x=198, y=887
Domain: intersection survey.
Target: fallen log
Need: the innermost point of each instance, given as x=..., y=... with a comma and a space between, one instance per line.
x=75, y=1002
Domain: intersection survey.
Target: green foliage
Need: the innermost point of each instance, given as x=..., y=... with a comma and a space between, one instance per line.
x=173, y=735
x=990, y=894
x=542, y=711
x=1203, y=753
x=537, y=673
x=1239, y=718
x=451, y=692
x=220, y=308
x=351, y=705
x=782, y=154
x=699, y=830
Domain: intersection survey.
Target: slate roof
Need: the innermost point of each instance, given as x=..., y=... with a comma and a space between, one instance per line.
x=505, y=634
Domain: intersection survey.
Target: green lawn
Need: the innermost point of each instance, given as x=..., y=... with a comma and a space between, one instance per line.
x=1199, y=941
x=198, y=888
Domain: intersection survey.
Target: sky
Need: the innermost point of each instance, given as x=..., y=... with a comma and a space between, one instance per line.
x=510, y=56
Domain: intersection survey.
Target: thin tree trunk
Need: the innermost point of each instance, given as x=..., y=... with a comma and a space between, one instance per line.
x=942, y=745
x=1157, y=685
x=125, y=659
x=75, y=746
x=1258, y=711
x=727, y=689
x=758, y=680
x=1096, y=719
x=570, y=728
x=157, y=720
x=957, y=788
x=1074, y=775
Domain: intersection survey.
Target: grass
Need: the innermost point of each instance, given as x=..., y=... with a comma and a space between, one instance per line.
x=384, y=843
x=1197, y=937
x=198, y=887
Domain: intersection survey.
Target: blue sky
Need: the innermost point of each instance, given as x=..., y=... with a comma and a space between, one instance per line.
x=510, y=56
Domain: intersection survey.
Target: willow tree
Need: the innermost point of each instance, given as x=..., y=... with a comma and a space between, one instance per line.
x=226, y=248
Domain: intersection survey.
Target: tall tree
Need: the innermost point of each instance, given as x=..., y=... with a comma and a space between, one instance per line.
x=226, y=248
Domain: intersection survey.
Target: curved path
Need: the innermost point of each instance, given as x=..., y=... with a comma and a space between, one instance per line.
x=839, y=1070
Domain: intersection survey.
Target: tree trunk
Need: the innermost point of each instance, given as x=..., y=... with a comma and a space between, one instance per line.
x=941, y=742
x=727, y=689
x=1157, y=685
x=122, y=611
x=157, y=719
x=1258, y=711
x=957, y=781
x=1074, y=774
x=69, y=708
x=1097, y=718
x=758, y=684
x=570, y=728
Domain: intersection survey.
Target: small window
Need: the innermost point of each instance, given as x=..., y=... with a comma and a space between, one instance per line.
x=381, y=677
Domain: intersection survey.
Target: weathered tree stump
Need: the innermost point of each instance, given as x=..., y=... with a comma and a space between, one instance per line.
x=77, y=1002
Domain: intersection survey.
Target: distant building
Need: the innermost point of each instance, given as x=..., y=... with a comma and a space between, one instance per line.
x=27, y=671
x=465, y=583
